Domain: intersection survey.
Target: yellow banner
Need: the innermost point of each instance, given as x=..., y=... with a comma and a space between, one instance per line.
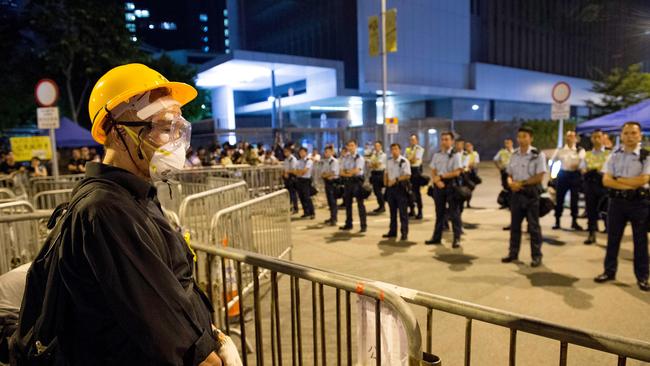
x=373, y=35
x=391, y=30
x=25, y=148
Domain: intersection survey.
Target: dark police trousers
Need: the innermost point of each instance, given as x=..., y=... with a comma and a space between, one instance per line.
x=303, y=186
x=619, y=213
x=525, y=204
x=447, y=208
x=567, y=181
x=352, y=189
x=290, y=185
x=377, y=179
x=594, y=193
x=397, y=198
x=416, y=172
x=330, y=193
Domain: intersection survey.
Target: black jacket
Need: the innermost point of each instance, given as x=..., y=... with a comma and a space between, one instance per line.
x=128, y=274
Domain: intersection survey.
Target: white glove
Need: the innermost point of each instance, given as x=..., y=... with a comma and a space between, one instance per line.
x=228, y=351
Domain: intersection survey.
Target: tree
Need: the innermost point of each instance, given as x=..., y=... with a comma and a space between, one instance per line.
x=620, y=88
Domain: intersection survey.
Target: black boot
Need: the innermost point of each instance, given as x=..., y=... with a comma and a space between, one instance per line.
x=557, y=224
x=575, y=226
x=591, y=238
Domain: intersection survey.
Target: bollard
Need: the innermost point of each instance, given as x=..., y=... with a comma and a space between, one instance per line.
x=429, y=359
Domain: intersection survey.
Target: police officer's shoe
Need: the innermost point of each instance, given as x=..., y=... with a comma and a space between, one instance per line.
x=418, y=216
x=508, y=259
x=456, y=243
x=506, y=228
x=345, y=227
x=331, y=223
x=404, y=237
x=575, y=226
x=643, y=285
x=604, y=278
x=411, y=214
x=363, y=229
x=536, y=262
x=433, y=242
x=389, y=235
x=557, y=224
x=379, y=210
x=311, y=217
x=591, y=239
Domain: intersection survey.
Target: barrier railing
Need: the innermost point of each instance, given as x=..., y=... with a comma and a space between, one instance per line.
x=21, y=236
x=48, y=200
x=324, y=344
x=51, y=183
x=16, y=207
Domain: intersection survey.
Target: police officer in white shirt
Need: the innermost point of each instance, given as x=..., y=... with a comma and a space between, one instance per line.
x=377, y=167
x=352, y=176
x=289, y=165
x=303, y=173
x=568, y=179
x=397, y=181
x=414, y=154
x=330, y=175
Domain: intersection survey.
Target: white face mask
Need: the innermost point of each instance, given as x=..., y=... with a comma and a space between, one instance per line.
x=167, y=160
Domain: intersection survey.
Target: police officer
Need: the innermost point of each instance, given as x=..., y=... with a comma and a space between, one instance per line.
x=330, y=175
x=414, y=154
x=445, y=169
x=502, y=159
x=591, y=167
x=289, y=165
x=352, y=176
x=568, y=179
x=377, y=167
x=626, y=174
x=303, y=173
x=397, y=181
x=526, y=171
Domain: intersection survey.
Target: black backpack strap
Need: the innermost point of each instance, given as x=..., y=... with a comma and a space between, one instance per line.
x=643, y=154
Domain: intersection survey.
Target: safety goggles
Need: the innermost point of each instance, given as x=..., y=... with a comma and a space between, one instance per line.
x=165, y=128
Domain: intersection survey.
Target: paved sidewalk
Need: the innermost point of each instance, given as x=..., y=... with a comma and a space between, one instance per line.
x=561, y=290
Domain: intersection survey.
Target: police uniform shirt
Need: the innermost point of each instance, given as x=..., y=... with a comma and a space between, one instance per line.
x=503, y=157
x=305, y=163
x=378, y=158
x=396, y=168
x=569, y=156
x=525, y=165
x=595, y=159
x=290, y=163
x=416, y=152
x=627, y=164
x=330, y=165
x=355, y=161
x=461, y=158
x=445, y=162
x=470, y=158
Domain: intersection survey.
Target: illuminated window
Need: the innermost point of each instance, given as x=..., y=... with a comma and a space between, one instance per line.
x=205, y=39
x=205, y=28
x=203, y=17
x=129, y=17
x=129, y=6
x=226, y=42
x=227, y=50
x=226, y=32
x=144, y=13
x=130, y=27
x=225, y=22
x=168, y=25
x=206, y=49
x=225, y=12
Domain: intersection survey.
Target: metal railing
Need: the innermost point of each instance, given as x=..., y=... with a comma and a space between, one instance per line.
x=21, y=236
x=48, y=200
x=321, y=282
x=16, y=207
x=51, y=183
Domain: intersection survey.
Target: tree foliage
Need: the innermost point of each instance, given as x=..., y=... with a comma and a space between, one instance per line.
x=620, y=89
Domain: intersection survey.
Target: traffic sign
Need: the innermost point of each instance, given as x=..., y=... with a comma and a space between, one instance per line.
x=560, y=111
x=373, y=35
x=46, y=92
x=561, y=92
x=392, y=125
x=47, y=117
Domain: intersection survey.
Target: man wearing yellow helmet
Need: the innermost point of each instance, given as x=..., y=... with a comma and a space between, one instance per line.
x=130, y=295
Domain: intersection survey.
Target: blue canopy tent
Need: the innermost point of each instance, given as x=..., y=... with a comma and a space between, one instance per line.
x=70, y=134
x=612, y=122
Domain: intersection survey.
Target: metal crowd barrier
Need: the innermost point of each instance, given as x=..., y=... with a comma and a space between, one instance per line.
x=48, y=200
x=274, y=331
x=260, y=179
x=16, y=207
x=21, y=236
x=51, y=183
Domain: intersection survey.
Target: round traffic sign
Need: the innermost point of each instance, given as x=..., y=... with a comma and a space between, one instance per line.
x=46, y=92
x=561, y=92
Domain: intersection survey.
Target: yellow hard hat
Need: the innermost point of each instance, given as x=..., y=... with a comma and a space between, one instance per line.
x=123, y=82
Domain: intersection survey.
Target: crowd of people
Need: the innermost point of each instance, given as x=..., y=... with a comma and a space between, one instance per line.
x=239, y=153
x=36, y=167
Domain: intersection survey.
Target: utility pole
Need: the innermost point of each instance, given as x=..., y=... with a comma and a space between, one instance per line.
x=384, y=70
